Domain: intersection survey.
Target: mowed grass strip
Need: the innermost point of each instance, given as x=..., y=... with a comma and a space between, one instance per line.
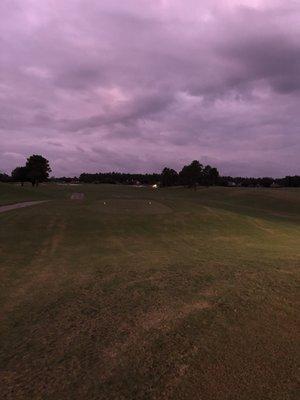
x=132, y=206
x=197, y=302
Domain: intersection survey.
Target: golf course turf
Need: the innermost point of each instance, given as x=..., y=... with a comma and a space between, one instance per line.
x=139, y=293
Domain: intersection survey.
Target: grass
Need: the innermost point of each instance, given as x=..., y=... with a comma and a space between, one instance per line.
x=192, y=296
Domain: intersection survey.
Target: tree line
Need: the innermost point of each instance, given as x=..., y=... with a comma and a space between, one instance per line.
x=287, y=181
x=37, y=169
x=191, y=175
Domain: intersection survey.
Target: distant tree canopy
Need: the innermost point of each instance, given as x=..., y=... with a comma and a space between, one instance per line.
x=191, y=174
x=169, y=177
x=4, y=177
x=20, y=174
x=288, y=181
x=38, y=169
x=210, y=176
x=118, y=177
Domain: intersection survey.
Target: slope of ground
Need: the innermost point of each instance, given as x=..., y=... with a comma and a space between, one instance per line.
x=197, y=302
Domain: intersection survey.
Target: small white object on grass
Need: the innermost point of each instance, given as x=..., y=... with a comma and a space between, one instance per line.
x=104, y=202
x=149, y=202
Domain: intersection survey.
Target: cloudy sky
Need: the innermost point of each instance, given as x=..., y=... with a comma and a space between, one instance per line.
x=135, y=85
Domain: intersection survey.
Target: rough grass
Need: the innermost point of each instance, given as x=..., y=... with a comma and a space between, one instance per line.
x=199, y=302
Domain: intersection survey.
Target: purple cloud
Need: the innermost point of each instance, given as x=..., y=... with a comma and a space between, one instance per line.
x=137, y=85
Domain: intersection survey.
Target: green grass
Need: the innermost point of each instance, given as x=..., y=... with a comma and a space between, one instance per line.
x=13, y=193
x=192, y=296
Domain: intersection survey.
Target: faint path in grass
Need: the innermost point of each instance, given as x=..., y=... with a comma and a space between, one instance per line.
x=257, y=222
x=245, y=209
x=214, y=212
x=40, y=272
x=21, y=205
x=162, y=319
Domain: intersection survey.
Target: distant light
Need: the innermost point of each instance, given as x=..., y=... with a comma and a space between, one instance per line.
x=155, y=186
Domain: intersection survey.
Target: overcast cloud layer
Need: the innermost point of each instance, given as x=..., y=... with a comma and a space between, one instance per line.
x=135, y=85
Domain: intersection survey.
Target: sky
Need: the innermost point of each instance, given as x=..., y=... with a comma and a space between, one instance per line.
x=136, y=85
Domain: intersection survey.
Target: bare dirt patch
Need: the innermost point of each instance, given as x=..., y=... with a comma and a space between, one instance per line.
x=77, y=196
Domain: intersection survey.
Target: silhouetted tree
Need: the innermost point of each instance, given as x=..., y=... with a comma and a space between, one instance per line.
x=214, y=176
x=290, y=181
x=38, y=169
x=209, y=176
x=4, y=177
x=169, y=177
x=266, y=182
x=190, y=175
x=20, y=174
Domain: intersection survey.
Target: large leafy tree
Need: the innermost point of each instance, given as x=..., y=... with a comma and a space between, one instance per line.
x=266, y=181
x=190, y=175
x=169, y=177
x=210, y=175
x=20, y=174
x=38, y=169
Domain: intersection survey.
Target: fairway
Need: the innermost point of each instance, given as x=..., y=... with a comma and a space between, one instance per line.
x=139, y=293
x=132, y=206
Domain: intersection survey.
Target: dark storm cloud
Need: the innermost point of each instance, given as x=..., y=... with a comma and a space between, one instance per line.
x=79, y=78
x=142, y=107
x=273, y=58
x=136, y=85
